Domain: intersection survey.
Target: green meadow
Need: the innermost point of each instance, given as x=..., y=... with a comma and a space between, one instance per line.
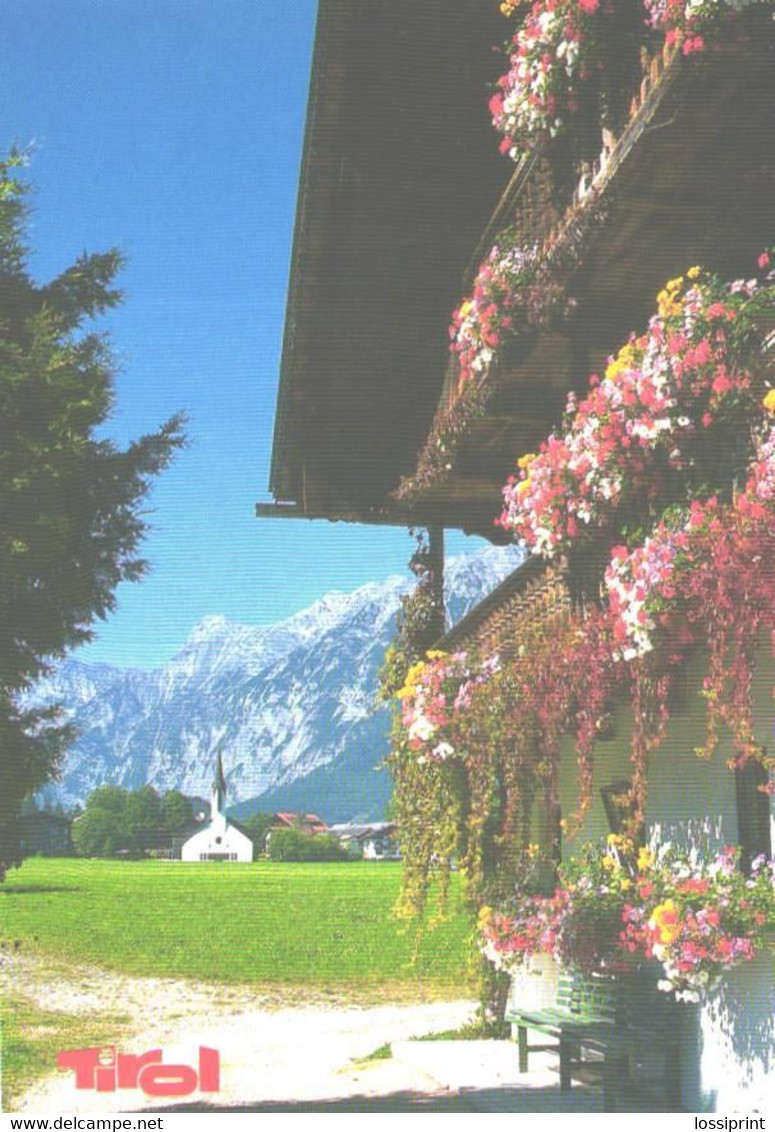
x=325, y=925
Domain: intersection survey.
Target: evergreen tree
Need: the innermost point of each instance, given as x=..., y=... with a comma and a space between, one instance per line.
x=71, y=517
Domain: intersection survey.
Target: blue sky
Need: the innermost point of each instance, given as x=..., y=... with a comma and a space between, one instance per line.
x=172, y=129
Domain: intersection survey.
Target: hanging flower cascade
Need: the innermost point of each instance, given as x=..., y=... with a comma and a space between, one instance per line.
x=519, y=287
x=701, y=577
x=509, y=295
x=550, y=57
x=720, y=550
x=466, y=735
x=655, y=416
x=435, y=692
x=691, y=24
x=615, y=908
x=562, y=46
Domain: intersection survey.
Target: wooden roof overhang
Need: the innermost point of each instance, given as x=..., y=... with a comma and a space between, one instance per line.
x=400, y=174
x=690, y=181
x=398, y=182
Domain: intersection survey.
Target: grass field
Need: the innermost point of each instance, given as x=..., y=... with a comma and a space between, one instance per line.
x=32, y=1038
x=317, y=924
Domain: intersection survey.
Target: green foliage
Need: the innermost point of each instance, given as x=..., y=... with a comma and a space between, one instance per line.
x=176, y=811
x=326, y=925
x=127, y=822
x=71, y=519
x=257, y=826
x=296, y=845
x=420, y=622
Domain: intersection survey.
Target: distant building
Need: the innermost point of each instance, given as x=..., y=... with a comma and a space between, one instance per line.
x=307, y=823
x=221, y=839
x=374, y=841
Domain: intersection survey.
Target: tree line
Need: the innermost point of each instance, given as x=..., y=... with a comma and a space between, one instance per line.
x=118, y=822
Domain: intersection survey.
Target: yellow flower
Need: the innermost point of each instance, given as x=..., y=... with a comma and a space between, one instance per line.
x=523, y=486
x=769, y=401
x=625, y=883
x=465, y=308
x=526, y=460
x=484, y=917
x=626, y=359
x=609, y=863
x=645, y=859
x=694, y=273
x=435, y=654
x=665, y=922
x=533, y=851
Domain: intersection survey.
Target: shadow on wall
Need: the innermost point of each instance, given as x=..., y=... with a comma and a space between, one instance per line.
x=728, y=1047
x=743, y=1012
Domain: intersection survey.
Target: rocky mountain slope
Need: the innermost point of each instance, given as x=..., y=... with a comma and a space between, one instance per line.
x=292, y=705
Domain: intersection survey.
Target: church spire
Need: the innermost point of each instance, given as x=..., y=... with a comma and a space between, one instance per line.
x=220, y=781
x=218, y=790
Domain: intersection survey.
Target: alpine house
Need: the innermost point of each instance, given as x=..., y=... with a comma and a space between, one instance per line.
x=532, y=298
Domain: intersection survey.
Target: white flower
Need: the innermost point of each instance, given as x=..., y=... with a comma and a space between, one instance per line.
x=422, y=728
x=443, y=751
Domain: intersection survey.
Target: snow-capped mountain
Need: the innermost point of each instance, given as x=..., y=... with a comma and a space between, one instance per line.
x=292, y=705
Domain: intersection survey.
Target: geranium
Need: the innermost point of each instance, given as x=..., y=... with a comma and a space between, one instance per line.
x=652, y=423
x=707, y=919
x=638, y=585
x=550, y=57
x=513, y=290
x=623, y=905
x=435, y=691
x=690, y=23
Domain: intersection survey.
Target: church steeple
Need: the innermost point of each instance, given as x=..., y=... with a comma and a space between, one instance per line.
x=218, y=791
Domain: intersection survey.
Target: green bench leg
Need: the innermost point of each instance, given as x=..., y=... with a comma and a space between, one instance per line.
x=566, y=1055
x=673, y=1078
x=612, y=1067
x=523, y=1050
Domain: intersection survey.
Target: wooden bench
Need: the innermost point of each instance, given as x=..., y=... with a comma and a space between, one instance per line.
x=619, y=1019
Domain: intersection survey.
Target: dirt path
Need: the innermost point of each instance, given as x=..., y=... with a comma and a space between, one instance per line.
x=275, y=1044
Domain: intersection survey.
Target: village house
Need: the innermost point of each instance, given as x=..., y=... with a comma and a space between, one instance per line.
x=373, y=841
x=221, y=839
x=659, y=185
x=306, y=823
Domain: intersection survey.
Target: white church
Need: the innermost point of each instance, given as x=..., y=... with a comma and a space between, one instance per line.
x=220, y=839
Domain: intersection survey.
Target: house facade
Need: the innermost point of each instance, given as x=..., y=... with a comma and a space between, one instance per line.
x=220, y=839
x=660, y=185
x=373, y=841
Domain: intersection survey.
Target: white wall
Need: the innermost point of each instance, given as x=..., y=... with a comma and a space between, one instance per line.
x=729, y=1057
x=218, y=837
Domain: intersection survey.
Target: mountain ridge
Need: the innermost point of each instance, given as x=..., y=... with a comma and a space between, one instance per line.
x=291, y=704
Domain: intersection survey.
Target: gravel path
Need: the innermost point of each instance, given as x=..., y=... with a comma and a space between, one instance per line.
x=275, y=1045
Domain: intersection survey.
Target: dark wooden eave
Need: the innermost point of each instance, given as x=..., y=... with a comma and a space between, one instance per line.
x=694, y=184
x=400, y=175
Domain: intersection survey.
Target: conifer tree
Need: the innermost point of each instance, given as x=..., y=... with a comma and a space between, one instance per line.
x=71, y=514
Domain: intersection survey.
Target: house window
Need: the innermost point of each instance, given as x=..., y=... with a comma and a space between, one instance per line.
x=617, y=802
x=753, y=813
